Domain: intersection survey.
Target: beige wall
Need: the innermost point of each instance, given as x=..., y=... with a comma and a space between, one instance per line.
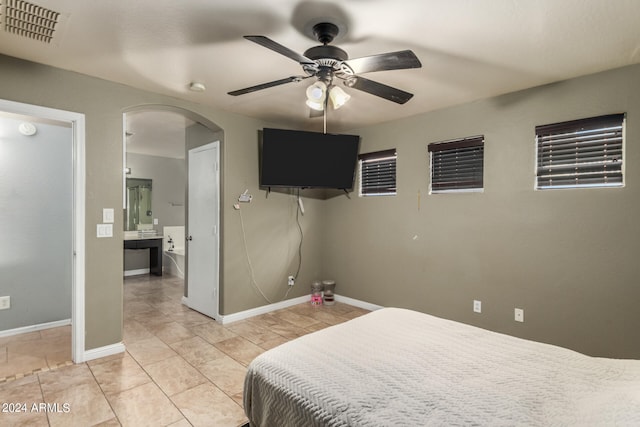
x=569, y=258
x=103, y=104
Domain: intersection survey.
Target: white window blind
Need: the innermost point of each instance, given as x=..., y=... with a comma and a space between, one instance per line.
x=457, y=164
x=580, y=153
x=378, y=173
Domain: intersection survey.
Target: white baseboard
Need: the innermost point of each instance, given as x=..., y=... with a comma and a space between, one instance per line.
x=128, y=273
x=107, y=350
x=242, y=315
x=86, y=355
x=33, y=328
x=357, y=303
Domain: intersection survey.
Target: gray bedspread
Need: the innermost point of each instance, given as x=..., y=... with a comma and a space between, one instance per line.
x=396, y=367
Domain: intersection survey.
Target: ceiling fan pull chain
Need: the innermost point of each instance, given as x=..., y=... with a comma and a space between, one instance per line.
x=324, y=113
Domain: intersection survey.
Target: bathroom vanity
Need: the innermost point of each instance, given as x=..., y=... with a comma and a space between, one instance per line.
x=139, y=233
x=153, y=243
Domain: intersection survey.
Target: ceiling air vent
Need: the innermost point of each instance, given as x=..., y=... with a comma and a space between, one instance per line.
x=29, y=20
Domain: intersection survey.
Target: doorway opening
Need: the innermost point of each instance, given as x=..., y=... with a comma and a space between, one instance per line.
x=157, y=142
x=43, y=199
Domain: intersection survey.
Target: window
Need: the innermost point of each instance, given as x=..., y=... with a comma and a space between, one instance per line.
x=457, y=165
x=378, y=173
x=580, y=153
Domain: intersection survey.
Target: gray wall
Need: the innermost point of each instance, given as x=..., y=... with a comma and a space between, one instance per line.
x=36, y=181
x=169, y=180
x=567, y=257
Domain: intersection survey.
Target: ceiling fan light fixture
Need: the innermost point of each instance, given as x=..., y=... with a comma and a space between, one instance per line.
x=338, y=97
x=317, y=92
x=318, y=106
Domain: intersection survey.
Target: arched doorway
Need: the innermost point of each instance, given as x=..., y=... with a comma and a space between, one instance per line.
x=153, y=131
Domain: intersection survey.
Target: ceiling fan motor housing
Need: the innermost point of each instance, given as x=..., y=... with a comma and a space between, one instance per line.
x=325, y=32
x=327, y=59
x=326, y=52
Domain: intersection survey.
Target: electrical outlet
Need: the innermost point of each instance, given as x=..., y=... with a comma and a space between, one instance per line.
x=291, y=281
x=5, y=303
x=519, y=315
x=477, y=306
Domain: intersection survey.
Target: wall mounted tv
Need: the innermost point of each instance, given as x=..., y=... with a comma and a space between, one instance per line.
x=291, y=158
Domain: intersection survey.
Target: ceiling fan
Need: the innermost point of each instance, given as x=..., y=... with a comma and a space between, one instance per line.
x=327, y=63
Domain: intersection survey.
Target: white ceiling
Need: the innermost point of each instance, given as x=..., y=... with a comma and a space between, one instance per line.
x=156, y=133
x=469, y=49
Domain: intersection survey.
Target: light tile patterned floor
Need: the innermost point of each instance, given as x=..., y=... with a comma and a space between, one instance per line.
x=34, y=352
x=180, y=368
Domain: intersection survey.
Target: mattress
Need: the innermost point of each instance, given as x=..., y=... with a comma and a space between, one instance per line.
x=399, y=367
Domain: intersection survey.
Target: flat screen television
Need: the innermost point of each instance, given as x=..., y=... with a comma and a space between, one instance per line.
x=292, y=158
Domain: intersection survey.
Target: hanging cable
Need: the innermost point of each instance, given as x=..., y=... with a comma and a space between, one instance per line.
x=246, y=250
x=301, y=236
x=324, y=115
x=295, y=277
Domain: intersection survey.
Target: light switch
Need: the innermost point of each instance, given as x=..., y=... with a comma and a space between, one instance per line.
x=105, y=230
x=108, y=215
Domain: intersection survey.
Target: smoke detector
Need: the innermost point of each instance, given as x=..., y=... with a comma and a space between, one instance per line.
x=27, y=128
x=197, y=87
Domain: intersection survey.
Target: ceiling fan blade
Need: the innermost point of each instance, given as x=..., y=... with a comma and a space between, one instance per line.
x=385, y=61
x=277, y=47
x=267, y=85
x=379, y=89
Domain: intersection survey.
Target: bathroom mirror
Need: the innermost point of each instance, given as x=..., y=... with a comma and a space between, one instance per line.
x=139, y=215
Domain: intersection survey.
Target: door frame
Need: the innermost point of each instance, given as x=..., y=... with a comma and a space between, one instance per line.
x=77, y=121
x=204, y=147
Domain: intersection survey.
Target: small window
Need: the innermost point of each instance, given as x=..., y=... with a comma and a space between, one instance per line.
x=378, y=173
x=457, y=165
x=580, y=153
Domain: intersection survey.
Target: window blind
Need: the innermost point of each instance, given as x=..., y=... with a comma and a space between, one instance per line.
x=580, y=153
x=457, y=164
x=378, y=173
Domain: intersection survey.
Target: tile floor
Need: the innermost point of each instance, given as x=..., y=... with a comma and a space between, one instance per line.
x=180, y=368
x=34, y=352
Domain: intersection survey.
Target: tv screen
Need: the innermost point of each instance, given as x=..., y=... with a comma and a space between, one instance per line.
x=291, y=158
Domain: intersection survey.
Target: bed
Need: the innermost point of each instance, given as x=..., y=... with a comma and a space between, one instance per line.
x=400, y=367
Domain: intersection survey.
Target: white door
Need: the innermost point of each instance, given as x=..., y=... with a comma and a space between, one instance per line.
x=203, y=224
